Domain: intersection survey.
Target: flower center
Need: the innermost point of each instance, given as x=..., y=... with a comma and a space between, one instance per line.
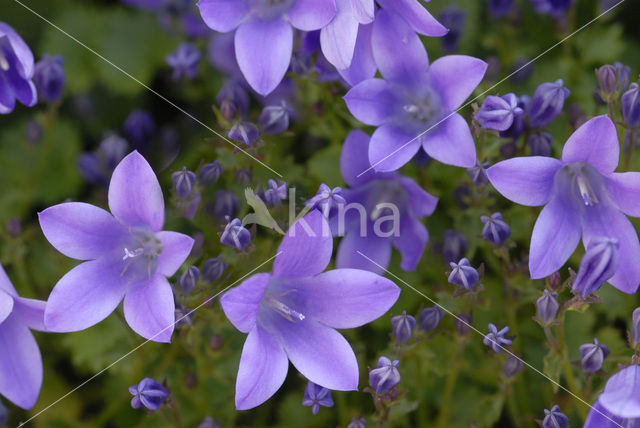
x=4, y=63
x=270, y=9
x=420, y=109
x=281, y=309
x=383, y=194
x=582, y=183
x=140, y=257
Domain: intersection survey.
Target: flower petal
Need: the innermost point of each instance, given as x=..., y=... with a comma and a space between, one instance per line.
x=596, y=143
x=525, y=180
x=398, y=51
x=362, y=66
x=624, y=189
x=223, y=15
x=353, y=161
x=411, y=242
x=20, y=48
x=149, y=309
x=417, y=16
x=306, y=248
x=599, y=417
x=310, y=15
x=262, y=371
x=620, y=395
x=371, y=101
x=241, y=303
x=376, y=248
x=86, y=295
x=338, y=38
x=135, y=196
x=364, y=10
x=6, y=305
x=30, y=312
x=456, y=77
x=263, y=51
x=7, y=98
x=422, y=202
x=20, y=364
x=81, y=231
x=451, y=142
x=555, y=236
x=176, y=247
x=391, y=147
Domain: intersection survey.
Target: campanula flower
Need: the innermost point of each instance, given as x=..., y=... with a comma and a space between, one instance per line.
x=275, y=194
x=498, y=112
x=599, y=263
x=232, y=98
x=631, y=106
x=126, y=255
x=495, y=230
x=274, y=119
x=357, y=423
x=188, y=280
x=210, y=173
x=291, y=315
x=463, y=274
x=183, y=182
x=16, y=71
x=462, y=323
x=327, y=200
x=546, y=103
x=244, y=132
x=554, y=8
x=593, y=355
x=402, y=327
x=148, y=393
x=497, y=339
x=49, y=77
x=226, y=204
x=478, y=173
x=184, y=61
x=600, y=417
x=316, y=396
x=385, y=376
x=429, y=318
x=139, y=129
x=539, y=144
x=235, y=235
x=618, y=403
x=97, y=167
x=413, y=97
x=583, y=197
x=213, y=269
x=511, y=366
x=20, y=361
x=554, y=418
x=547, y=307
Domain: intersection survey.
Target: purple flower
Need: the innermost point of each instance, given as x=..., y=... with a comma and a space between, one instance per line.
x=184, y=61
x=383, y=209
x=600, y=417
x=403, y=326
x=512, y=366
x=453, y=18
x=413, y=97
x=547, y=307
x=188, y=280
x=16, y=71
x=232, y=99
x=618, y=401
x=385, y=377
x=499, y=8
x=495, y=230
x=554, y=418
x=148, y=393
x=244, y=132
x=139, y=128
x=463, y=274
x=357, y=423
x=598, y=265
x=498, y=112
x=213, y=269
x=540, y=144
x=49, y=78
x=582, y=197
x=226, y=204
x=235, y=235
x=327, y=200
x=547, y=103
x=128, y=256
x=429, y=318
x=264, y=34
x=593, y=355
x=631, y=106
x=183, y=182
x=478, y=173
x=274, y=119
x=210, y=173
x=316, y=396
x=20, y=360
x=275, y=194
x=496, y=339
x=291, y=314
x=98, y=166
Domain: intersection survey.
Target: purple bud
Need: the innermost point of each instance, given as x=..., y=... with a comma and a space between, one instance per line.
x=511, y=366
x=49, y=78
x=496, y=339
x=97, y=167
x=499, y=8
x=235, y=235
x=316, y=396
x=148, y=393
x=454, y=245
x=183, y=182
x=226, y=204
x=478, y=173
x=631, y=106
x=540, y=144
x=547, y=307
x=275, y=194
x=593, y=355
x=554, y=418
x=184, y=61
x=598, y=264
x=453, y=18
x=403, y=326
x=495, y=230
x=183, y=316
x=429, y=318
x=139, y=128
x=232, y=98
x=357, y=423
x=213, y=269
x=498, y=113
x=244, y=132
x=547, y=103
x=112, y=150
x=385, y=377
x=274, y=119
x=462, y=323
x=463, y=275
x=519, y=125
x=208, y=422
x=327, y=200
x=607, y=79
x=555, y=281
x=188, y=280
x=210, y=173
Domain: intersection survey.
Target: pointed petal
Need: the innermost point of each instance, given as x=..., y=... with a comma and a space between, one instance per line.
x=30, y=312
x=451, y=142
x=262, y=371
x=223, y=15
x=599, y=417
x=364, y=10
x=391, y=147
x=422, y=202
x=338, y=38
x=620, y=395
x=7, y=98
x=371, y=101
x=24, y=90
x=306, y=248
x=605, y=220
x=81, y=231
x=241, y=303
x=363, y=66
x=411, y=242
x=417, y=16
x=310, y=15
x=376, y=248
x=149, y=309
x=354, y=160
x=456, y=77
x=525, y=180
x=596, y=143
x=20, y=48
x=5, y=283
x=624, y=189
x=176, y=247
x=20, y=364
x=555, y=236
x=398, y=51
x=135, y=196
x=86, y=295
x=6, y=305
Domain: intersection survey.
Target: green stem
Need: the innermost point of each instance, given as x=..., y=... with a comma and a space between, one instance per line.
x=448, y=388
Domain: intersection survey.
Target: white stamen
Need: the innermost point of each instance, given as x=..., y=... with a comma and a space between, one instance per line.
x=284, y=310
x=586, y=191
x=4, y=64
x=131, y=254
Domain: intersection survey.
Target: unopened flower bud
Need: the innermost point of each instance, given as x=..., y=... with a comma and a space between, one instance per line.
x=403, y=326
x=274, y=119
x=244, y=132
x=49, y=78
x=495, y=230
x=498, y=113
x=454, y=245
x=593, y=355
x=607, y=80
x=210, y=173
x=235, y=235
x=357, y=423
x=385, y=376
x=188, y=280
x=547, y=103
x=429, y=318
x=463, y=323
x=183, y=182
x=554, y=418
x=631, y=106
x=547, y=307
x=540, y=144
x=213, y=269
x=512, y=366
x=478, y=173
x=598, y=264
x=463, y=274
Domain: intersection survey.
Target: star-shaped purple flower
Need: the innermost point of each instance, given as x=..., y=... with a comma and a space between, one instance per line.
x=264, y=35
x=582, y=196
x=20, y=359
x=414, y=97
x=619, y=401
x=128, y=256
x=16, y=71
x=292, y=313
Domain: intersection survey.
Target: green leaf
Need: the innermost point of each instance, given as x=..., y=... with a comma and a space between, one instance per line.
x=553, y=367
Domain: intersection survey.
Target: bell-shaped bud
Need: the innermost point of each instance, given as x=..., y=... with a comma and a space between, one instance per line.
x=593, y=355
x=402, y=327
x=598, y=264
x=547, y=307
x=213, y=269
x=498, y=113
x=385, y=376
x=463, y=274
x=547, y=103
x=188, y=280
x=554, y=418
x=495, y=230
x=429, y=318
x=183, y=182
x=235, y=235
x=210, y=173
